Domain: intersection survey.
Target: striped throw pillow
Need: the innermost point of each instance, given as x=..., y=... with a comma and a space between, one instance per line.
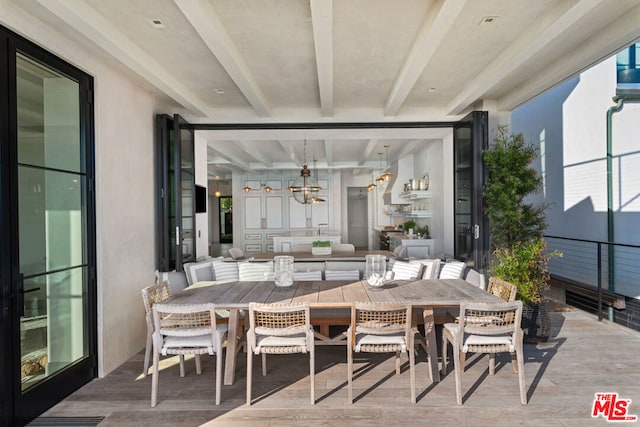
x=406, y=270
x=254, y=271
x=307, y=275
x=342, y=274
x=452, y=270
x=226, y=271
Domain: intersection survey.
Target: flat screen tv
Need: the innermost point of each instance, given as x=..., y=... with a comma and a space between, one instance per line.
x=201, y=199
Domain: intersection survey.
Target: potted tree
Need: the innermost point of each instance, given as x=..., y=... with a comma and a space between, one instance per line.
x=519, y=252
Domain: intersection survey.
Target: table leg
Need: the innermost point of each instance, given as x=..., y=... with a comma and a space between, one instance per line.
x=232, y=342
x=432, y=344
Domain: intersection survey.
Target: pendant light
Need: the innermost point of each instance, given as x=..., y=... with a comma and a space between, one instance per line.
x=317, y=198
x=387, y=175
x=380, y=179
x=217, y=192
x=305, y=188
x=266, y=184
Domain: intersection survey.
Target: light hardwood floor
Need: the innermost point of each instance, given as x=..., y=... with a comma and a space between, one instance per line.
x=583, y=357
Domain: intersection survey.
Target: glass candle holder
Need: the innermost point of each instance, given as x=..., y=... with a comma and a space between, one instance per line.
x=283, y=270
x=376, y=267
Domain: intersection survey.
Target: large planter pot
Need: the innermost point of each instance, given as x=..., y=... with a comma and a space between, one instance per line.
x=536, y=323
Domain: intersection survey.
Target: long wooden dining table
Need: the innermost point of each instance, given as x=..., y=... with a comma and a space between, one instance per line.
x=329, y=294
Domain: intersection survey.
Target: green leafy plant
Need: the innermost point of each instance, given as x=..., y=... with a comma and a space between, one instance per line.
x=520, y=254
x=511, y=180
x=525, y=264
x=321, y=244
x=409, y=224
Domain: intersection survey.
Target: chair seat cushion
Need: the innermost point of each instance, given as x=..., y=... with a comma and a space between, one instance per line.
x=297, y=340
x=225, y=270
x=173, y=343
x=342, y=274
x=473, y=341
x=379, y=340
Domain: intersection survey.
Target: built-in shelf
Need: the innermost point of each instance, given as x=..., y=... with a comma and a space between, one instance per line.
x=418, y=214
x=416, y=194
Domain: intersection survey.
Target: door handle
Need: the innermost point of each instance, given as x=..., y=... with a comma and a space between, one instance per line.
x=476, y=231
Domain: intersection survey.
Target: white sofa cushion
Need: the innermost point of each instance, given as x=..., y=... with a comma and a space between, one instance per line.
x=431, y=269
x=342, y=275
x=200, y=271
x=254, y=271
x=307, y=275
x=403, y=270
x=452, y=270
x=225, y=271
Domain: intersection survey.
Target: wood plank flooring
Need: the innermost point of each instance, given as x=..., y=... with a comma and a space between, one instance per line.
x=582, y=357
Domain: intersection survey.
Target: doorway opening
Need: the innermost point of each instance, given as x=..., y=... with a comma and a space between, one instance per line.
x=358, y=217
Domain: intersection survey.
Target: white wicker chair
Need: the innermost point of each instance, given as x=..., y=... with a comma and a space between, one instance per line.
x=279, y=329
x=486, y=328
x=381, y=328
x=186, y=329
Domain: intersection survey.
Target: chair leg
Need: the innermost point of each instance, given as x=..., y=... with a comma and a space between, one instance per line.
x=514, y=362
x=218, y=374
x=412, y=371
x=198, y=364
x=264, y=364
x=249, y=373
x=181, y=366
x=456, y=369
x=463, y=360
x=521, y=381
x=397, y=363
x=312, y=376
x=492, y=363
x=147, y=354
x=350, y=372
x=432, y=345
x=444, y=353
x=154, y=379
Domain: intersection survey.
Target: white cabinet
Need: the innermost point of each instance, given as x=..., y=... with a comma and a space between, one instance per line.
x=320, y=212
x=273, y=212
x=297, y=214
x=252, y=212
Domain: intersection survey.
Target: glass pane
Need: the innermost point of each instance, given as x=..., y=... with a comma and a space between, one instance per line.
x=48, y=117
x=52, y=329
x=463, y=184
x=51, y=220
x=187, y=188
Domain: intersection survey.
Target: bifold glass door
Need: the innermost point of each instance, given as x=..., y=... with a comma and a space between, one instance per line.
x=176, y=192
x=471, y=231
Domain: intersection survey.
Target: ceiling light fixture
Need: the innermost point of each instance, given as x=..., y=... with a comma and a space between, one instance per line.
x=305, y=188
x=217, y=192
x=387, y=175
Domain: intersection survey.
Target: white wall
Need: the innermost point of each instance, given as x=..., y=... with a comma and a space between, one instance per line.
x=568, y=124
x=124, y=142
x=201, y=178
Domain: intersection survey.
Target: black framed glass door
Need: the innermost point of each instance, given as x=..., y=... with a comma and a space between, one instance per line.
x=176, y=192
x=471, y=232
x=48, y=231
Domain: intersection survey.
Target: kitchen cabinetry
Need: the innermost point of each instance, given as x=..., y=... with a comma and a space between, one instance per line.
x=263, y=219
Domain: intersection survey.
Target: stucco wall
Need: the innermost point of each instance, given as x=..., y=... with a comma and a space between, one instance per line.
x=124, y=119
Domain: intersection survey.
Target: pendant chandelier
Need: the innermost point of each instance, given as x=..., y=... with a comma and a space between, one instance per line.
x=380, y=179
x=217, y=193
x=305, y=188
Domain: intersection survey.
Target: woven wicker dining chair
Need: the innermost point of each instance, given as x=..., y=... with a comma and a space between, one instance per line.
x=183, y=329
x=279, y=329
x=152, y=295
x=486, y=328
x=381, y=328
x=502, y=289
